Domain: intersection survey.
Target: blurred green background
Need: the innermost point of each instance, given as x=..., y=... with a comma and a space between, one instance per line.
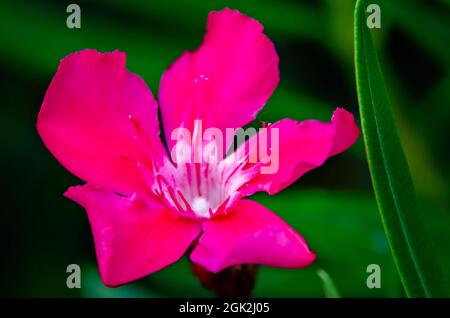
x=333, y=206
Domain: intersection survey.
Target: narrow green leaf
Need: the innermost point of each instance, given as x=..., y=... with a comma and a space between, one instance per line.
x=329, y=288
x=402, y=219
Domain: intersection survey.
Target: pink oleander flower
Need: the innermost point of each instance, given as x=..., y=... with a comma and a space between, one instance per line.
x=101, y=122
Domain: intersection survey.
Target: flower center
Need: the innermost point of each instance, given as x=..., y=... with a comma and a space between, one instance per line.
x=202, y=189
x=199, y=189
x=201, y=206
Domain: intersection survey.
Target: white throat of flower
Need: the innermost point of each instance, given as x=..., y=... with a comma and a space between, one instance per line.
x=201, y=206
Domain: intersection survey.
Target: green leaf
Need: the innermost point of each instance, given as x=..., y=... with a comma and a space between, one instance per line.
x=410, y=244
x=329, y=288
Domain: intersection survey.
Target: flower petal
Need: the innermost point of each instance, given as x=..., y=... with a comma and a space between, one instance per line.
x=133, y=237
x=225, y=82
x=85, y=118
x=250, y=234
x=303, y=146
